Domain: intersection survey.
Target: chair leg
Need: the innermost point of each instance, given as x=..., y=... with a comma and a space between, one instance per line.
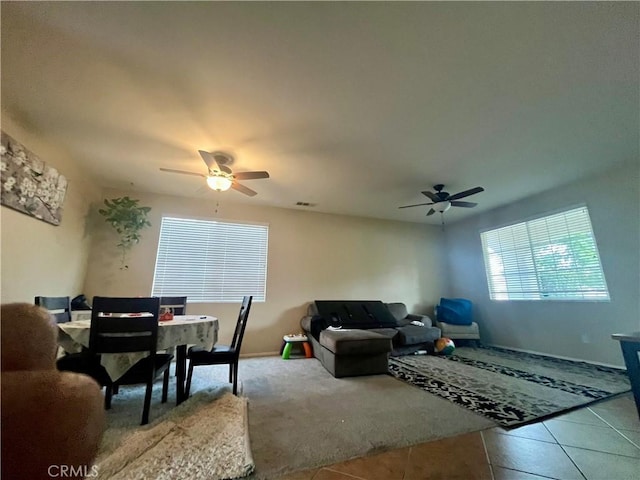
x=147, y=402
x=165, y=385
x=187, y=388
x=235, y=378
x=231, y=373
x=116, y=389
x=107, y=397
x=172, y=351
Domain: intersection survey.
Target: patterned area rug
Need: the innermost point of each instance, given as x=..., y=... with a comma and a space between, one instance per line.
x=510, y=387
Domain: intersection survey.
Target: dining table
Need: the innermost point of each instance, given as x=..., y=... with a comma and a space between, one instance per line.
x=181, y=331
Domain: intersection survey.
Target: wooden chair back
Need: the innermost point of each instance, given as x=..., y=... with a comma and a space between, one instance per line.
x=241, y=324
x=176, y=305
x=117, y=328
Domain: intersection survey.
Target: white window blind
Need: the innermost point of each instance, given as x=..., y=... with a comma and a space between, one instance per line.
x=550, y=258
x=211, y=261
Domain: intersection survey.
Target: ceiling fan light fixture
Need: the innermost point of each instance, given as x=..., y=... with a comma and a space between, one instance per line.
x=442, y=206
x=220, y=177
x=220, y=183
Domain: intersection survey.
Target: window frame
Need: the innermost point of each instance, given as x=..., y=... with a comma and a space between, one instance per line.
x=256, y=298
x=530, y=247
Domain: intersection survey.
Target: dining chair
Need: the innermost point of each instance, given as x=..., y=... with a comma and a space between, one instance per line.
x=125, y=325
x=59, y=307
x=176, y=305
x=222, y=354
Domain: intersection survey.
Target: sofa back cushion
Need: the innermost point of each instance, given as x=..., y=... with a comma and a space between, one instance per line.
x=456, y=311
x=398, y=310
x=363, y=314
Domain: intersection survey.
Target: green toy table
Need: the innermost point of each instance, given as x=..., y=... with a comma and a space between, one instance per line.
x=289, y=340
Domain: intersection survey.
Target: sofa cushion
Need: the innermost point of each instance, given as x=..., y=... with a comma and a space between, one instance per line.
x=354, y=342
x=398, y=310
x=378, y=310
x=387, y=332
x=413, y=334
x=363, y=314
x=449, y=329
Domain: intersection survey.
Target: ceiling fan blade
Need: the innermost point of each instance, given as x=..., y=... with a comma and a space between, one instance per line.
x=242, y=189
x=431, y=212
x=225, y=169
x=251, y=175
x=171, y=170
x=458, y=203
x=466, y=193
x=434, y=198
x=209, y=160
x=416, y=205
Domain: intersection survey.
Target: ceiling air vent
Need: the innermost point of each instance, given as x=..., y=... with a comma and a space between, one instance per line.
x=305, y=204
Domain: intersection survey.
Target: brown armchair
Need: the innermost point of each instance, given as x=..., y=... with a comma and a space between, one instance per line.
x=50, y=419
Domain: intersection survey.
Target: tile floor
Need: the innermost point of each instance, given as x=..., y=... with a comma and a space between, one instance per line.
x=599, y=442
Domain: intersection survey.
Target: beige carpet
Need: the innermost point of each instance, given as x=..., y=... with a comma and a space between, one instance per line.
x=204, y=438
x=299, y=416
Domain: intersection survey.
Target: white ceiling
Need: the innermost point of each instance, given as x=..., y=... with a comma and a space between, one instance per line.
x=355, y=107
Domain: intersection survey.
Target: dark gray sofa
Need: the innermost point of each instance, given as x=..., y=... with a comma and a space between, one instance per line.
x=410, y=337
x=356, y=337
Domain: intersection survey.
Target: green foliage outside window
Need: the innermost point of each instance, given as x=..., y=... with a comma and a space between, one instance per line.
x=567, y=266
x=553, y=257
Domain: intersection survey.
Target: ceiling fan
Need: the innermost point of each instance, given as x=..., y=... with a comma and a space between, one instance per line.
x=442, y=201
x=220, y=177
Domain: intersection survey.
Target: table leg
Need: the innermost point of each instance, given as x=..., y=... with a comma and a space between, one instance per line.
x=181, y=371
x=630, y=353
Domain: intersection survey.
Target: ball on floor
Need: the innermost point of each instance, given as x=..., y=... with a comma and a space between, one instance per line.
x=444, y=346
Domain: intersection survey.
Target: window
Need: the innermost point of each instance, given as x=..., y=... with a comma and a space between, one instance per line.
x=211, y=261
x=550, y=258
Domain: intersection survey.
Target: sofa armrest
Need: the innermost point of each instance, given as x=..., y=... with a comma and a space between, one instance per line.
x=305, y=323
x=420, y=318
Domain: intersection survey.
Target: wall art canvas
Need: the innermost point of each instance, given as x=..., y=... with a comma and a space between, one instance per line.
x=28, y=185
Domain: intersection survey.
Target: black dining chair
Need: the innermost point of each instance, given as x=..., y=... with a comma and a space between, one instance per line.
x=117, y=328
x=175, y=305
x=222, y=354
x=59, y=307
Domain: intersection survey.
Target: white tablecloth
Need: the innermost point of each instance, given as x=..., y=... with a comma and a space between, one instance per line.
x=182, y=330
x=80, y=315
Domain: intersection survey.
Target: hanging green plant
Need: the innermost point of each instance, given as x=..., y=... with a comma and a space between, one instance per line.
x=128, y=219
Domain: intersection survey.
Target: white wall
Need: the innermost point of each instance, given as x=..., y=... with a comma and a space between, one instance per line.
x=311, y=256
x=39, y=258
x=579, y=330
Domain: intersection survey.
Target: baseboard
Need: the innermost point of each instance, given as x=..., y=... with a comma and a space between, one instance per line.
x=252, y=355
x=557, y=356
x=261, y=354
